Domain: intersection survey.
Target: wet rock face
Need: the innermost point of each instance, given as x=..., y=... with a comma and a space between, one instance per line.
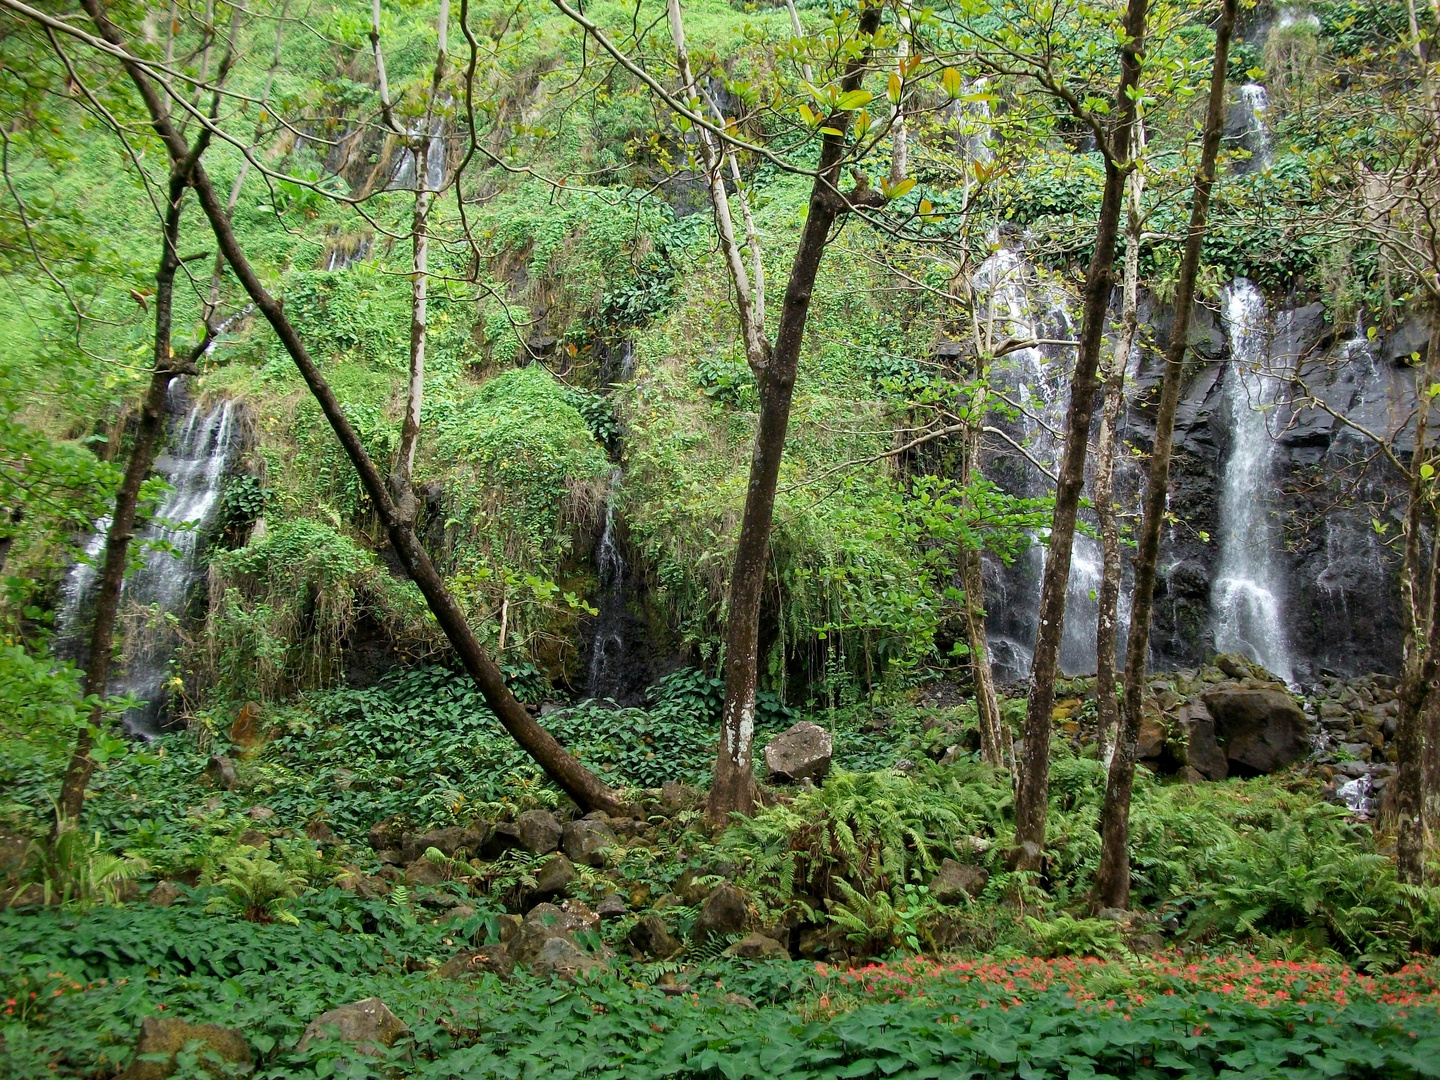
x=1340, y=585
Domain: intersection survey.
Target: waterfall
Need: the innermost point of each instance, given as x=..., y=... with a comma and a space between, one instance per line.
x=195, y=462
x=1039, y=385
x=405, y=171
x=607, y=644
x=1246, y=598
x=1256, y=103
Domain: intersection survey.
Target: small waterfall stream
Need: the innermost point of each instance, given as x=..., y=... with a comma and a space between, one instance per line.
x=1247, y=596
x=607, y=643
x=1039, y=383
x=198, y=454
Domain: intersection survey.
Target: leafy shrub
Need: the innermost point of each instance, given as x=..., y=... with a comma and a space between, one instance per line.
x=862, y=834
x=257, y=887
x=74, y=867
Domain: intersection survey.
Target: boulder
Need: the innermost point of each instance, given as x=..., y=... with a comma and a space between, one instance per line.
x=259, y=813
x=164, y=894
x=453, y=841
x=801, y=753
x=724, y=912
x=554, y=877
x=321, y=833
x=612, y=907
x=168, y=1035
x=545, y=946
x=1150, y=740
x=1202, y=752
x=1190, y=775
x=758, y=947
x=352, y=880
x=424, y=872
x=957, y=882
x=651, y=937
x=1261, y=729
x=386, y=835
x=468, y=963
x=219, y=772
x=369, y=1024
x=585, y=842
x=538, y=831
x=559, y=957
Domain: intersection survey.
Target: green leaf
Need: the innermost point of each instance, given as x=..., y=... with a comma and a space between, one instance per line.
x=855, y=99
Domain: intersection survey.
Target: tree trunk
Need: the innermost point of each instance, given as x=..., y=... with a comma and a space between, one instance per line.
x=148, y=437
x=1107, y=703
x=1112, y=881
x=578, y=782
x=733, y=788
x=401, y=479
x=1033, y=792
x=899, y=136
x=1418, y=692
x=996, y=747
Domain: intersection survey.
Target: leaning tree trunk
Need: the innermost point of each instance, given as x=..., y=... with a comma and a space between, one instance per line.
x=148, y=436
x=1107, y=704
x=1112, y=880
x=1033, y=791
x=733, y=788
x=577, y=781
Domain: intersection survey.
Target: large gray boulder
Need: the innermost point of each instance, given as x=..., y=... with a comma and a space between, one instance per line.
x=651, y=937
x=724, y=912
x=958, y=882
x=554, y=877
x=1262, y=730
x=545, y=944
x=538, y=831
x=801, y=753
x=369, y=1024
x=1202, y=751
x=585, y=841
x=169, y=1034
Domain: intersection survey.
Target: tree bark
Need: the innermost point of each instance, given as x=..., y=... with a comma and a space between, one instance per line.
x=1419, y=693
x=1112, y=881
x=148, y=437
x=578, y=782
x=1032, y=794
x=401, y=477
x=733, y=788
x=1107, y=621
x=996, y=747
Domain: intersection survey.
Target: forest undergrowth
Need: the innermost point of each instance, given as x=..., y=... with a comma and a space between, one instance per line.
x=1274, y=932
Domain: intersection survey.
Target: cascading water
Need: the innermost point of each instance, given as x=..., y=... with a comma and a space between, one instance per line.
x=607, y=643
x=405, y=171
x=195, y=462
x=1039, y=385
x=1256, y=102
x=1247, y=595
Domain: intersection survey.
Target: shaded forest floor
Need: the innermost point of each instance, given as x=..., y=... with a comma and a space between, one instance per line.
x=390, y=843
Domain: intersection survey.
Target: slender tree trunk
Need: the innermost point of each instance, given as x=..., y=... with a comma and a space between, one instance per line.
x=899, y=136
x=1032, y=795
x=1107, y=620
x=733, y=789
x=995, y=744
x=1419, y=599
x=212, y=300
x=401, y=478
x=148, y=437
x=576, y=780
x=1112, y=881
